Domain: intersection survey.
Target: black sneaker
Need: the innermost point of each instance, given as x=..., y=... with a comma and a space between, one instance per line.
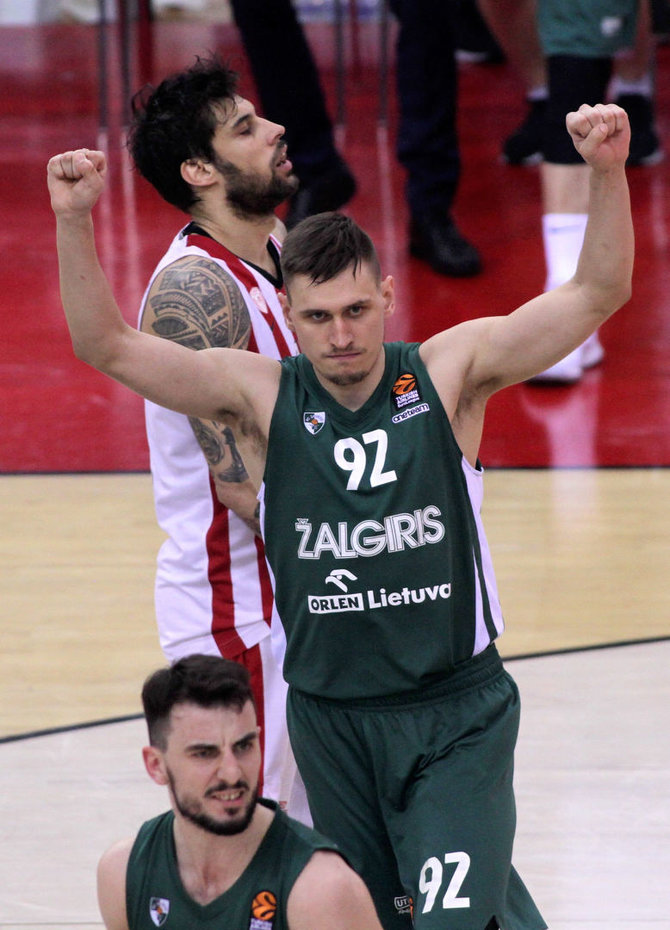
x=645, y=147
x=438, y=241
x=524, y=146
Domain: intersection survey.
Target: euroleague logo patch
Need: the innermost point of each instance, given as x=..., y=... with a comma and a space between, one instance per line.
x=407, y=399
x=405, y=383
x=404, y=392
x=263, y=910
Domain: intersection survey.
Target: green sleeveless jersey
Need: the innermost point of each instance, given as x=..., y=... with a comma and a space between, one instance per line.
x=155, y=896
x=371, y=519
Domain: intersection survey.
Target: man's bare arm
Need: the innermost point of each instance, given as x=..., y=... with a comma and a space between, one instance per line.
x=196, y=303
x=234, y=488
x=111, y=878
x=557, y=322
x=206, y=384
x=473, y=360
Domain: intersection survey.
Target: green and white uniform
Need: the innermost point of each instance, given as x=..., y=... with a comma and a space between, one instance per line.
x=155, y=896
x=402, y=720
x=383, y=577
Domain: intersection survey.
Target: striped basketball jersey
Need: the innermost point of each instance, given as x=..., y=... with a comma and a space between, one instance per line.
x=382, y=572
x=213, y=593
x=156, y=897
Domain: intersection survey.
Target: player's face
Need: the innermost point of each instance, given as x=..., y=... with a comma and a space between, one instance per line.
x=251, y=156
x=211, y=766
x=339, y=324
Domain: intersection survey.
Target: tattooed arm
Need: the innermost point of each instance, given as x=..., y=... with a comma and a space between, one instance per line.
x=196, y=303
x=231, y=481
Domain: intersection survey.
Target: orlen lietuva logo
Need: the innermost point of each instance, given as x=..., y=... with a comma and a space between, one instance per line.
x=313, y=421
x=406, y=398
x=370, y=600
x=263, y=910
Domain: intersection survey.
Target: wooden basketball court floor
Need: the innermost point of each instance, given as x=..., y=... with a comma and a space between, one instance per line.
x=576, y=503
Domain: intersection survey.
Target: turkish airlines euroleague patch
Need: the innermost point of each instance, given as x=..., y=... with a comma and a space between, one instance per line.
x=263, y=910
x=405, y=392
x=407, y=398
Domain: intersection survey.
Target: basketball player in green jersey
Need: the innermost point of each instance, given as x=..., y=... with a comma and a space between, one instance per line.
x=220, y=857
x=365, y=454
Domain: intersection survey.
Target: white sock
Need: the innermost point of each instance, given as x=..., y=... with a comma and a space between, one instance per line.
x=563, y=235
x=643, y=86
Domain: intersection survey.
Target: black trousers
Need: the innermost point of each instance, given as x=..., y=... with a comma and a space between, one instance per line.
x=287, y=81
x=427, y=82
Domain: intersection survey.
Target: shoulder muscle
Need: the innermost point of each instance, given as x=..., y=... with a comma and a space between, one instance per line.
x=195, y=302
x=329, y=895
x=111, y=879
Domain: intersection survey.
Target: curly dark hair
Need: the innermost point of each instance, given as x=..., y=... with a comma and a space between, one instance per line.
x=177, y=121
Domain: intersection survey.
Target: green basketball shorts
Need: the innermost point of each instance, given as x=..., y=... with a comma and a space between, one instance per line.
x=416, y=789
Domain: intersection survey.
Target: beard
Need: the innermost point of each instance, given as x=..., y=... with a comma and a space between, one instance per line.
x=192, y=810
x=355, y=377
x=251, y=195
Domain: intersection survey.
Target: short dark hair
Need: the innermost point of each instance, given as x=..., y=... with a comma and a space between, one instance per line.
x=177, y=121
x=324, y=245
x=208, y=681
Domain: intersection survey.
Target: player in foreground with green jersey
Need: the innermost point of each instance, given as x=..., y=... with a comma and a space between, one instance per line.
x=220, y=857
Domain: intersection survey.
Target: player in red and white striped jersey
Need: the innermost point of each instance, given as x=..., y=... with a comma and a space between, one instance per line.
x=206, y=151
